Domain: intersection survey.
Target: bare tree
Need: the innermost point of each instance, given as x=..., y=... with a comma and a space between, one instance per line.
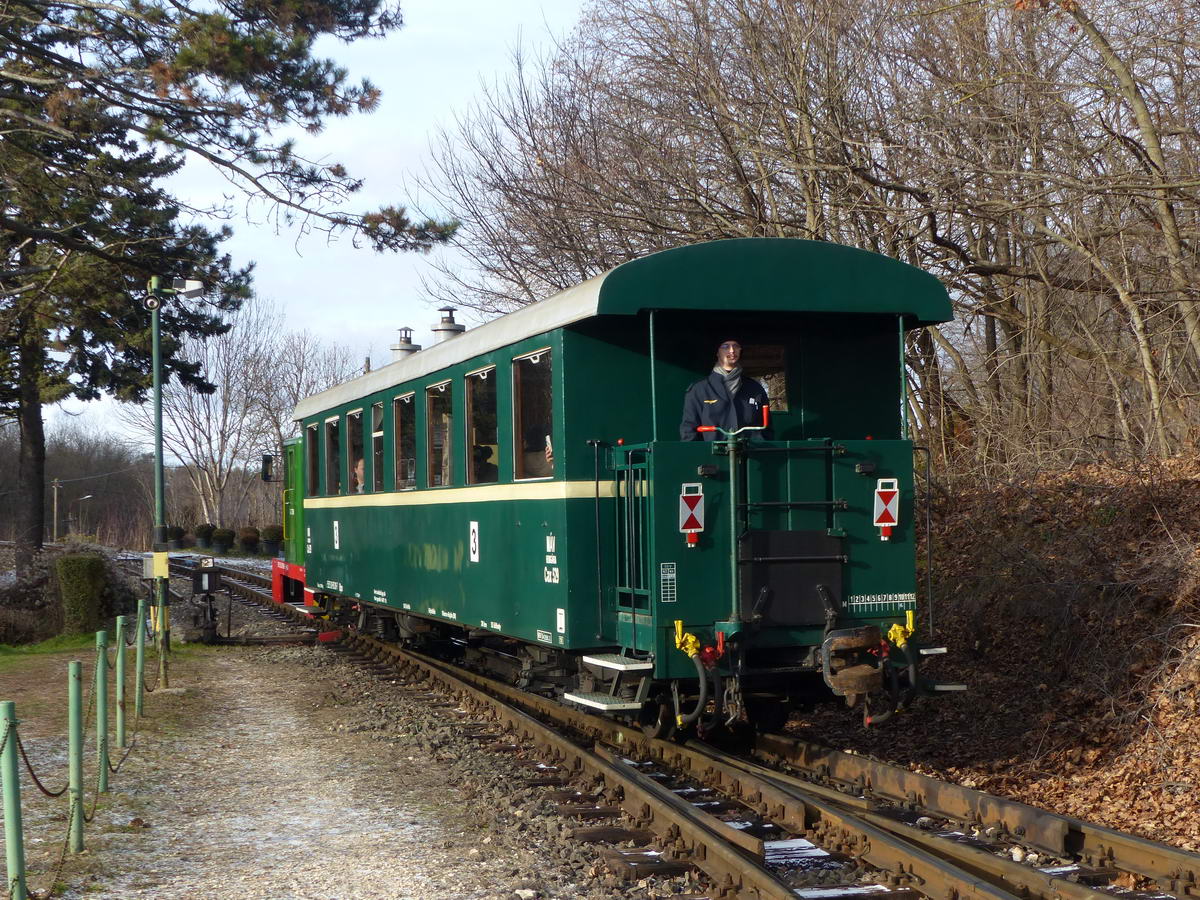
x=297, y=365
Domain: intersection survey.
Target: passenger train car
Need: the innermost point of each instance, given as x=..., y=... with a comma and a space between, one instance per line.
x=518, y=495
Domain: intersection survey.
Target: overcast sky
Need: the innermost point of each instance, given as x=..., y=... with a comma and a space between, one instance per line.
x=428, y=71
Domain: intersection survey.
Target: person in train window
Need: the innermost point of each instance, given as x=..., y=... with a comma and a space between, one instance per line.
x=538, y=455
x=485, y=470
x=359, y=484
x=726, y=398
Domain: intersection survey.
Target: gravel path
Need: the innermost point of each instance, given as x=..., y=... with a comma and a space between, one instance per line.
x=285, y=773
x=242, y=811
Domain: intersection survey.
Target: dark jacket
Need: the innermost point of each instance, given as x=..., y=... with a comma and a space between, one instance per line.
x=708, y=403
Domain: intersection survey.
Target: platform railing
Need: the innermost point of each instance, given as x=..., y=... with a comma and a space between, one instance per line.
x=13, y=753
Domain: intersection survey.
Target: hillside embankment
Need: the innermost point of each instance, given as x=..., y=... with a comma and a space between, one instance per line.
x=1070, y=603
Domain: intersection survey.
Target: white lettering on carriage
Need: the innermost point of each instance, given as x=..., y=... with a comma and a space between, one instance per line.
x=865, y=599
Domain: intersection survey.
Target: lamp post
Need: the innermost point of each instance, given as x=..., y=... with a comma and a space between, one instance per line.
x=156, y=292
x=55, y=484
x=79, y=520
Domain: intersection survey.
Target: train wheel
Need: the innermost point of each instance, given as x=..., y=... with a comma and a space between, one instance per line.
x=657, y=717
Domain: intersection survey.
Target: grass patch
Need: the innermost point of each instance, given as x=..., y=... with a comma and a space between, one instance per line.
x=59, y=644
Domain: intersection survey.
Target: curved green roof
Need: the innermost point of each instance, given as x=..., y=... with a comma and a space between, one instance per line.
x=752, y=274
x=784, y=274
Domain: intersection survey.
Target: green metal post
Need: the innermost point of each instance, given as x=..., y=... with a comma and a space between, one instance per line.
x=14, y=842
x=735, y=614
x=120, y=677
x=102, y=710
x=139, y=664
x=75, y=751
x=160, y=514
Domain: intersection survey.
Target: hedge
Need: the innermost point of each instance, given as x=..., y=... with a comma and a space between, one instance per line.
x=82, y=579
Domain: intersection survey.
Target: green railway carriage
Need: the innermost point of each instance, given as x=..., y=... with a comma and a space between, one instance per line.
x=520, y=492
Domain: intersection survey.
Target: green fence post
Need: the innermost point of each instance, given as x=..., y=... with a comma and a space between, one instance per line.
x=14, y=844
x=75, y=751
x=140, y=658
x=120, y=676
x=102, y=710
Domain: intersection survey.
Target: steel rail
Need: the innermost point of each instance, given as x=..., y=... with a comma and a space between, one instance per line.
x=1175, y=870
x=786, y=791
x=246, y=575
x=847, y=830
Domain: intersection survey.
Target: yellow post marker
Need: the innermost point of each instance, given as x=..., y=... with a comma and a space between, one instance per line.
x=162, y=571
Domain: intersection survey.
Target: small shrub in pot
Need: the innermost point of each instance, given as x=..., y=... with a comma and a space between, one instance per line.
x=222, y=540
x=272, y=539
x=248, y=539
x=204, y=535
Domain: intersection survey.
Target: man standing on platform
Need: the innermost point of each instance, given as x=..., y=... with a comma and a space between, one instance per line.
x=726, y=399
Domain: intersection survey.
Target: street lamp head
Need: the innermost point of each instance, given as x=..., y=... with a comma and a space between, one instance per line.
x=86, y=497
x=187, y=287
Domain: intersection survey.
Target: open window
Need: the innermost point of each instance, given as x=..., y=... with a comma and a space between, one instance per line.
x=533, y=415
x=358, y=464
x=439, y=412
x=481, y=428
x=377, y=447
x=405, y=443
x=333, y=455
x=312, y=449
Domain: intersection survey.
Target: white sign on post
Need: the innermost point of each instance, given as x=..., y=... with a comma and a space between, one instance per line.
x=691, y=508
x=887, y=502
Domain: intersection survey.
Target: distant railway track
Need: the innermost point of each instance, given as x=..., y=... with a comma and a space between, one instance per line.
x=799, y=812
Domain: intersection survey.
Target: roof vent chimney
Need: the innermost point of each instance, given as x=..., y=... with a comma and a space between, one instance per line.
x=447, y=328
x=404, y=347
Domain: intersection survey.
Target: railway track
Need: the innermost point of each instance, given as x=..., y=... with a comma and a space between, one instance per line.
x=796, y=819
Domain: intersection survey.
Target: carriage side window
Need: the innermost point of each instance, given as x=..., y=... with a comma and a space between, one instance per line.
x=481, y=428
x=358, y=465
x=533, y=411
x=333, y=456
x=439, y=413
x=404, y=424
x=766, y=363
x=377, y=447
x=312, y=448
